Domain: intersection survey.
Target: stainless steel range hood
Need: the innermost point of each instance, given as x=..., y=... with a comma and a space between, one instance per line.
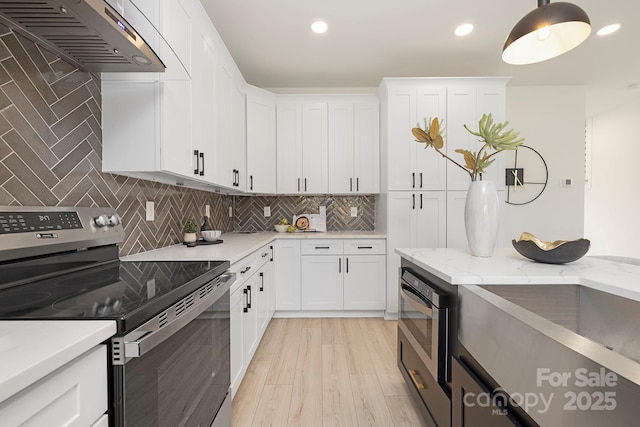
x=89, y=34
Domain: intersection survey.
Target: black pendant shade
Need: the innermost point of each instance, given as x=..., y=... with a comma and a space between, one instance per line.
x=546, y=32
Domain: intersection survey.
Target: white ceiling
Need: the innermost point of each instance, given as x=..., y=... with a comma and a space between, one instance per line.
x=272, y=44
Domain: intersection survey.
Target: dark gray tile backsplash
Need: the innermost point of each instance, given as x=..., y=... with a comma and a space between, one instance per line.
x=51, y=155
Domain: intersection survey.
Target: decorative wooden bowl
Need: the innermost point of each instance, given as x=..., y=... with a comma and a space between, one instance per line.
x=558, y=252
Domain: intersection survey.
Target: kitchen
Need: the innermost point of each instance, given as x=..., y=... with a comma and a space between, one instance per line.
x=39, y=170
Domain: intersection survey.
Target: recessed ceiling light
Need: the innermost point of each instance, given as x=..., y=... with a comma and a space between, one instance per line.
x=463, y=30
x=319, y=27
x=608, y=29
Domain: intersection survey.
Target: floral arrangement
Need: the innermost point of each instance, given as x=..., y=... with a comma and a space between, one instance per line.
x=493, y=135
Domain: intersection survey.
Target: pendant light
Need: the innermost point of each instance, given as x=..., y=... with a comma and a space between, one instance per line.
x=546, y=32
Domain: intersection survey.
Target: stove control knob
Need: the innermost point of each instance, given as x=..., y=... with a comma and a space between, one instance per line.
x=101, y=221
x=113, y=219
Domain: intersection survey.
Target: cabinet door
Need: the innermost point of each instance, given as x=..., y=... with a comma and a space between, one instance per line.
x=491, y=99
x=286, y=257
x=238, y=157
x=271, y=286
x=176, y=151
x=322, y=285
x=341, y=148
x=456, y=234
x=467, y=391
x=461, y=110
x=224, y=96
x=261, y=141
x=431, y=220
x=315, y=152
x=366, y=148
x=430, y=166
x=204, y=94
x=250, y=318
x=289, y=148
x=236, y=317
x=261, y=300
x=401, y=145
x=176, y=27
x=364, y=282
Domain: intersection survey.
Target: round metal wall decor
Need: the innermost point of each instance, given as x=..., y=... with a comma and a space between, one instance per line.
x=528, y=177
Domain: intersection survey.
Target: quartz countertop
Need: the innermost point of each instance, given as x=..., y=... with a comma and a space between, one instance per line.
x=506, y=266
x=32, y=349
x=237, y=245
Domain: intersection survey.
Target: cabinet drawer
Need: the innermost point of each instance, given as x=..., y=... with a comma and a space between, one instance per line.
x=365, y=246
x=244, y=269
x=321, y=247
x=74, y=395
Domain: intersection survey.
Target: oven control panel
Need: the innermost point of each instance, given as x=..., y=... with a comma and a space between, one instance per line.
x=24, y=222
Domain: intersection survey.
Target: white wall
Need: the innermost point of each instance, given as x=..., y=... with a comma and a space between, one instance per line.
x=552, y=119
x=612, y=198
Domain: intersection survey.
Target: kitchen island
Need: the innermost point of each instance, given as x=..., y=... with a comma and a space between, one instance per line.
x=552, y=344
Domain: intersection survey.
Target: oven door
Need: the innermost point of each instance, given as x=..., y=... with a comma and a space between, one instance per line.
x=179, y=374
x=424, y=325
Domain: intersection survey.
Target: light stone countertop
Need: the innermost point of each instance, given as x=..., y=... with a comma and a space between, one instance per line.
x=507, y=267
x=236, y=246
x=32, y=349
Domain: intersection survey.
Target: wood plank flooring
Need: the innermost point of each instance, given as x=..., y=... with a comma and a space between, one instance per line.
x=325, y=373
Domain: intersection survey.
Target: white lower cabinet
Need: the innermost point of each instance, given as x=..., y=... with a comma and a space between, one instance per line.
x=75, y=395
x=286, y=256
x=322, y=282
x=251, y=305
x=364, y=282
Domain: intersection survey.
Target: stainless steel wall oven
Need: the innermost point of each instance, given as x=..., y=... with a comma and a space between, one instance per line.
x=170, y=359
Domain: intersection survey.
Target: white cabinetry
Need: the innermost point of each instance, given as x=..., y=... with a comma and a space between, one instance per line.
x=251, y=311
x=423, y=194
x=286, y=256
x=301, y=130
x=261, y=141
x=354, y=147
x=75, y=395
x=173, y=127
x=343, y=274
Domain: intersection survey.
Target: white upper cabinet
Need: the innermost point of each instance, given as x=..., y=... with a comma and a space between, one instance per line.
x=410, y=166
x=466, y=103
x=301, y=131
x=261, y=140
x=354, y=147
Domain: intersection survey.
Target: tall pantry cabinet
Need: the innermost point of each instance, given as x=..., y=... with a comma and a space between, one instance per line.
x=422, y=195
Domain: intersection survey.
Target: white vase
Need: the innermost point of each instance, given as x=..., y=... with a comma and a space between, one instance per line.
x=481, y=215
x=189, y=237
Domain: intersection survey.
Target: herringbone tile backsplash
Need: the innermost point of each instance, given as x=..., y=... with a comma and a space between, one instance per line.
x=51, y=155
x=249, y=211
x=51, y=151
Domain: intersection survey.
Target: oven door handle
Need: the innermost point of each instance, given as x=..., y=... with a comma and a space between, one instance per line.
x=415, y=300
x=149, y=340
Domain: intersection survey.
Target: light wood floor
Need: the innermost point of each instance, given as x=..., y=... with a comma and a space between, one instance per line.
x=325, y=372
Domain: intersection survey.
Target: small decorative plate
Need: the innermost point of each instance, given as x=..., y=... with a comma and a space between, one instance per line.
x=558, y=252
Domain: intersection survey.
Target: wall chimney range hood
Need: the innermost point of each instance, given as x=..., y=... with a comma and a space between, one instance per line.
x=89, y=34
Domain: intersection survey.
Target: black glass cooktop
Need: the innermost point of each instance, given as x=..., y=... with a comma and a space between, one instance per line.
x=129, y=292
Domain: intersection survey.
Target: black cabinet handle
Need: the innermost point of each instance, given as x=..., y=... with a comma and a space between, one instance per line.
x=413, y=196
x=323, y=247
x=264, y=254
x=305, y=185
x=246, y=300
x=196, y=171
x=420, y=179
x=421, y=201
x=347, y=265
x=298, y=185
x=339, y=265
x=350, y=184
x=261, y=281
x=413, y=180
x=365, y=247
x=245, y=270
x=250, y=182
x=249, y=300
x=202, y=170
x=357, y=184
x=271, y=249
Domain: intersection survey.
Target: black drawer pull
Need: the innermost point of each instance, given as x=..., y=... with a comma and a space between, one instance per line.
x=365, y=247
x=245, y=270
x=323, y=247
